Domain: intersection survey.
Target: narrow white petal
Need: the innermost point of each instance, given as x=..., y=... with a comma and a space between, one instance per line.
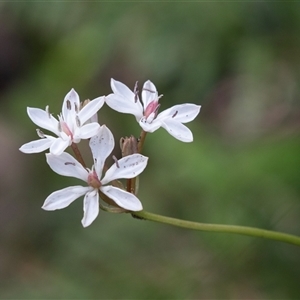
x=63, y=198
x=101, y=146
x=70, y=107
x=90, y=109
x=36, y=146
x=90, y=208
x=127, y=167
x=178, y=130
x=149, y=93
x=122, y=198
x=123, y=105
x=59, y=145
x=86, y=131
x=121, y=89
x=66, y=165
x=43, y=119
x=182, y=113
x=150, y=127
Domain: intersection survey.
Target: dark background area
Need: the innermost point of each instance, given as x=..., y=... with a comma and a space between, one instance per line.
x=240, y=61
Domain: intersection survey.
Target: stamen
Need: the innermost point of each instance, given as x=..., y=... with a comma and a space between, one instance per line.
x=68, y=104
x=116, y=161
x=47, y=111
x=69, y=163
x=176, y=112
x=77, y=121
x=40, y=133
x=76, y=108
x=136, y=91
x=148, y=90
x=156, y=110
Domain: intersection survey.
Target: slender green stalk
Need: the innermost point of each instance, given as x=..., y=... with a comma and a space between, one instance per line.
x=250, y=231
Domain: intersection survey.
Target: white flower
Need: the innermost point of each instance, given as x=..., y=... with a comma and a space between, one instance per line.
x=101, y=145
x=69, y=128
x=126, y=101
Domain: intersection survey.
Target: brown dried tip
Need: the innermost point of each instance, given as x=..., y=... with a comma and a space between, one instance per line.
x=128, y=145
x=84, y=103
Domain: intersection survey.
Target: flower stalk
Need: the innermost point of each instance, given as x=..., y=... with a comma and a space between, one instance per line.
x=77, y=122
x=78, y=154
x=142, y=141
x=243, y=230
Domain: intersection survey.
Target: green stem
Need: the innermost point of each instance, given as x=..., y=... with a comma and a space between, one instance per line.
x=250, y=231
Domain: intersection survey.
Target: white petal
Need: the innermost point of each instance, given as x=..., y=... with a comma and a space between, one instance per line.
x=101, y=145
x=66, y=165
x=86, y=131
x=127, y=167
x=149, y=93
x=123, y=105
x=59, y=145
x=121, y=89
x=150, y=127
x=178, y=130
x=43, y=119
x=90, y=208
x=36, y=146
x=90, y=109
x=63, y=198
x=182, y=113
x=70, y=107
x=122, y=198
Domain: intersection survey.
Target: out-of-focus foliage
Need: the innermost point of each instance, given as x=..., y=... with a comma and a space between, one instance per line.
x=240, y=61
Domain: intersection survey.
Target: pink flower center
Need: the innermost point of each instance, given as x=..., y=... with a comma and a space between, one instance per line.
x=151, y=108
x=93, y=180
x=65, y=128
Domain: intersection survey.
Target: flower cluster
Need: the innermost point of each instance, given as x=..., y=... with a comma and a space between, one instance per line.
x=79, y=121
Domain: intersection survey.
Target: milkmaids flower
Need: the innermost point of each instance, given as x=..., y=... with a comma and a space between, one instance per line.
x=101, y=145
x=146, y=113
x=69, y=128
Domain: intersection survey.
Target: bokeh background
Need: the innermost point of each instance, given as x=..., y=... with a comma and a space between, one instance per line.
x=241, y=62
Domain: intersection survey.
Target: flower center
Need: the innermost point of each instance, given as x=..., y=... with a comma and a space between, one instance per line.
x=93, y=180
x=151, y=111
x=65, y=128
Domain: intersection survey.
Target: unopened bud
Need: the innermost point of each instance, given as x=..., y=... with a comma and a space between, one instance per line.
x=84, y=103
x=129, y=145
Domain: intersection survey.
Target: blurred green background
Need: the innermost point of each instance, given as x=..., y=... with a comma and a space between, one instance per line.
x=240, y=61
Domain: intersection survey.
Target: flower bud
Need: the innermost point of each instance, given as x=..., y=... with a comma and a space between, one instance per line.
x=128, y=145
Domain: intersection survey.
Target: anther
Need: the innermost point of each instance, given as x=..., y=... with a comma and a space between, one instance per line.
x=68, y=104
x=40, y=133
x=77, y=121
x=176, y=112
x=76, y=108
x=47, y=111
x=148, y=90
x=136, y=91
